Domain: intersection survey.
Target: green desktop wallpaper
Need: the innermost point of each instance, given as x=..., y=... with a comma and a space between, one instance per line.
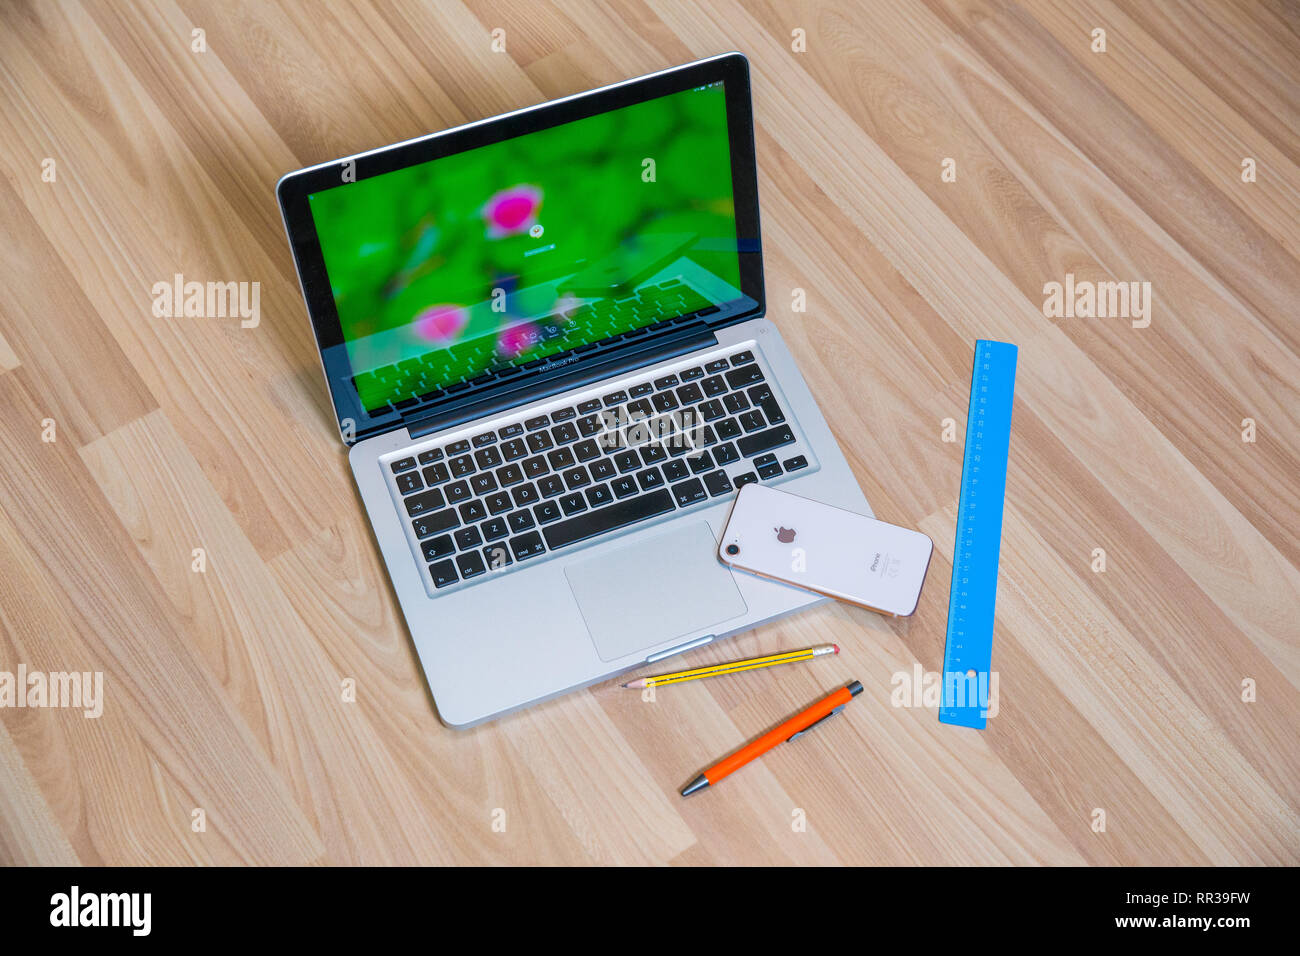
x=499, y=255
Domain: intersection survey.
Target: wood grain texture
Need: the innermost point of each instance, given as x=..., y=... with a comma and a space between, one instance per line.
x=1120, y=690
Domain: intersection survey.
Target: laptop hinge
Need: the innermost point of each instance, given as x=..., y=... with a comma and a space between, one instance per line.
x=616, y=362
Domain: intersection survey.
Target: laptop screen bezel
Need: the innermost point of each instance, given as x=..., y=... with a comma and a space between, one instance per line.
x=294, y=189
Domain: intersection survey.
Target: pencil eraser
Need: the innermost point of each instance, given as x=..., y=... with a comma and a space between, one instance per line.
x=837, y=648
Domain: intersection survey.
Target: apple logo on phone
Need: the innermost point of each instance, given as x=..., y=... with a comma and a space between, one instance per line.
x=784, y=535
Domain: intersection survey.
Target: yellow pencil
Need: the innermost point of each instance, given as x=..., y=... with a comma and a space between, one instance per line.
x=735, y=667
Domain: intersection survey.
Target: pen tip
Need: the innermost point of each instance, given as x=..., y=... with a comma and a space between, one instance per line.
x=699, y=783
x=837, y=648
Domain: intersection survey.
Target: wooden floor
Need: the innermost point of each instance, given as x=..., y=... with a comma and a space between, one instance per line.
x=1121, y=691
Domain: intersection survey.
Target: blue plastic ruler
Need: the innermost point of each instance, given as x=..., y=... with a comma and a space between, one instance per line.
x=968, y=653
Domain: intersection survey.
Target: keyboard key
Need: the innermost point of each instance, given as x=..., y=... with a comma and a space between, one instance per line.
x=510, y=475
x=435, y=523
x=547, y=511
x=472, y=511
x=563, y=434
x=742, y=358
x=689, y=492
x=664, y=401
x=728, y=428
x=718, y=366
x=714, y=386
x=668, y=381
x=526, y=495
x=458, y=491
x=689, y=394
x=423, y=503
x=745, y=375
x=488, y=457
x=458, y=447
x=795, y=463
x=769, y=469
x=430, y=456
x=495, y=528
x=482, y=484
x=622, y=487
x=752, y=445
x=641, y=408
x=550, y=486
x=527, y=546
x=699, y=463
x=650, y=478
x=409, y=482
x=487, y=438
x=576, y=478
x=497, y=556
x=627, y=461
x=653, y=454
x=510, y=431
x=535, y=423
x=470, y=564
x=752, y=420
x=563, y=414
x=521, y=520
x=436, y=474
x=717, y=482
x=403, y=464
x=586, y=450
x=711, y=410
x=736, y=402
x=468, y=538
x=599, y=495
x=535, y=466
x=642, y=390
x=539, y=441
x=439, y=547
x=443, y=573
x=589, y=425
x=691, y=374
x=602, y=469
x=615, y=398
x=748, y=478
x=514, y=449
x=591, y=405
x=726, y=453
x=560, y=459
x=462, y=466
x=675, y=471
x=600, y=520
x=573, y=503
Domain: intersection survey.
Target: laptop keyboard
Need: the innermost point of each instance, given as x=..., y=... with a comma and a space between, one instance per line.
x=504, y=497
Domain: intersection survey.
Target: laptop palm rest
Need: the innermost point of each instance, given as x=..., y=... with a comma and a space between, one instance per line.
x=650, y=592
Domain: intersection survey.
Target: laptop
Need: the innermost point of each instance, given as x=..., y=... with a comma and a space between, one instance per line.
x=544, y=339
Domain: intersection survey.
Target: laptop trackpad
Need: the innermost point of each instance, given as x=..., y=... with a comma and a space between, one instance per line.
x=655, y=590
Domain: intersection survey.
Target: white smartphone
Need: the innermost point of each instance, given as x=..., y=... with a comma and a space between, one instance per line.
x=824, y=549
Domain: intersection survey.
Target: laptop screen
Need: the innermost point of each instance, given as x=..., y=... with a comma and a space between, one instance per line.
x=476, y=264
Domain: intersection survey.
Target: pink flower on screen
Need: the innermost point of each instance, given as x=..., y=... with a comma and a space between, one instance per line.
x=516, y=339
x=441, y=324
x=512, y=211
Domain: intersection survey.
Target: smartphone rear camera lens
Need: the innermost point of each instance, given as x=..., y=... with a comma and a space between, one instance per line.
x=733, y=549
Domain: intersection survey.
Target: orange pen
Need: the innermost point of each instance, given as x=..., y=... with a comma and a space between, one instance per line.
x=800, y=723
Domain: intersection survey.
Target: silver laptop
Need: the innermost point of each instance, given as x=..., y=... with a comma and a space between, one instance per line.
x=544, y=339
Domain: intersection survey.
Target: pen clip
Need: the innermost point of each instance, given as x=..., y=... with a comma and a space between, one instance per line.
x=815, y=723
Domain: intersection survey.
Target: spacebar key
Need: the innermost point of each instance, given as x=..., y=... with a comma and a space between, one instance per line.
x=607, y=519
x=752, y=445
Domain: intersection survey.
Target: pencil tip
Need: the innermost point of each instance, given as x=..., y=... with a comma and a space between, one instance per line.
x=837, y=648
